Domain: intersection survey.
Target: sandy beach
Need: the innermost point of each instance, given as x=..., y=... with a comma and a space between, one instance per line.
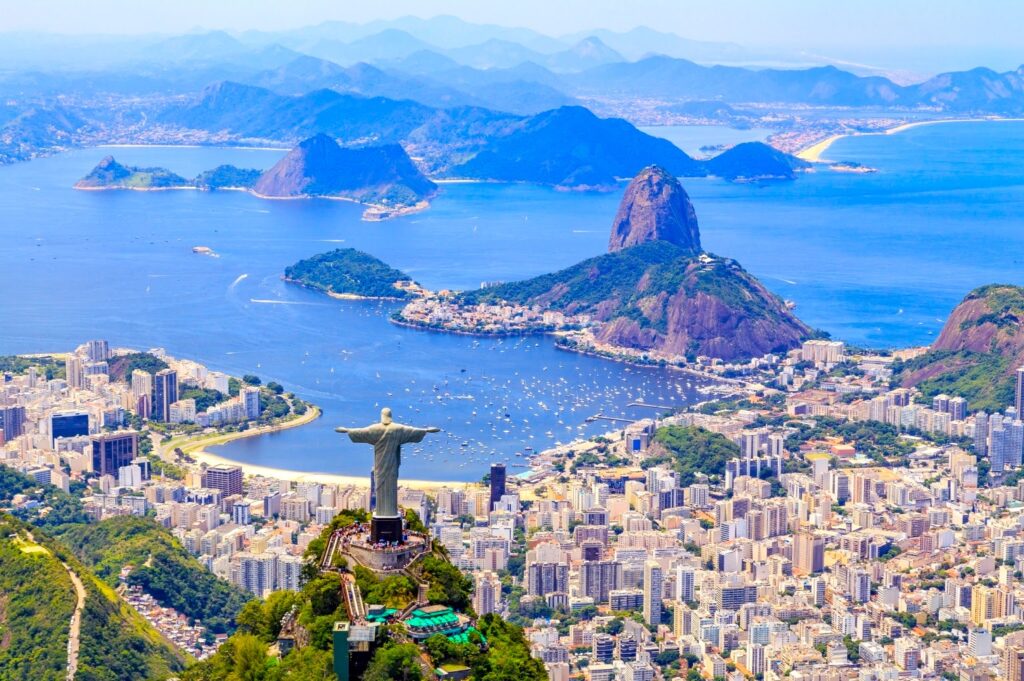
x=813, y=153
x=203, y=456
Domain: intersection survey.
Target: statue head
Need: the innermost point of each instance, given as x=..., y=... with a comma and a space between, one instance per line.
x=385, y=416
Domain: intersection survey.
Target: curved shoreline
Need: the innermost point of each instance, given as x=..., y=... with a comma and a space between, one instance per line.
x=814, y=152
x=344, y=296
x=474, y=334
x=195, y=444
x=196, y=448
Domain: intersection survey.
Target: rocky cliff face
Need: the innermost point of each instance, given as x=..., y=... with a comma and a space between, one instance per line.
x=987, y=320
x=980, y=347
x=318, y=166
x=655, y=207
x=718, y=310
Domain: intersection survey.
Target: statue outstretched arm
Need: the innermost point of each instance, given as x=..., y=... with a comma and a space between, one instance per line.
x=362, y=435
x=412, y=434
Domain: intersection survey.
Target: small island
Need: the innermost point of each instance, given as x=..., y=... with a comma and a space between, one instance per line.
x=109, y=174
x=350, y=274
x=851, y=167
x=381, y=177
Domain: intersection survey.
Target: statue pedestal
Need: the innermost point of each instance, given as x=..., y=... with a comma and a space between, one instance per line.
x=386, y=529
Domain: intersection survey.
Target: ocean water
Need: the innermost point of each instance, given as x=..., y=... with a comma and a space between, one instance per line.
x=877, y=260
x=690, y=138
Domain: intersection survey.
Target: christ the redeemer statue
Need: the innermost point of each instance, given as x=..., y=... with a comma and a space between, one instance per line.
x=387, y=438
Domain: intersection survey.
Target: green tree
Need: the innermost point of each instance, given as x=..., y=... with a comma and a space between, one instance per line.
x=248, y=659
x=395, y=662
x=692, y=450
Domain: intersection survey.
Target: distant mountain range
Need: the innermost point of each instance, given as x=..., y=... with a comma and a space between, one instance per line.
x=568, y=147
x=639, y=62
x=457, y=95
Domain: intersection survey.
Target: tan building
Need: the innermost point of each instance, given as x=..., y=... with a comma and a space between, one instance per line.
x=808, y=554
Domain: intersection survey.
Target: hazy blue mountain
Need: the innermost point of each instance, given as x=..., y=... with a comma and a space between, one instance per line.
x=682, y=79
x=25, y=132
x=754, y=161
x=585, y=54
x=310, y=73
x=301, y=75
x=423, y=62
x=448, y=32
x=571, y=147
x=388, y=44
x=525, y=89
x=494, y=54
x=206, y=46
x=979, y=89
x=256, y=112
x=503, y=54
x=448, y=89
x=522, y=97
x=643, y=41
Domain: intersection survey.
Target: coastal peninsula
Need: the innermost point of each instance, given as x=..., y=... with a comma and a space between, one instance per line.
x=655, y=291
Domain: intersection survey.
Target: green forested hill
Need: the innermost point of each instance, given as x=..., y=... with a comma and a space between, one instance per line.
x=37, y=599
x=346, y=271
x=657, y=295
x=975, y=356
x=36, y=602
x=162, y=567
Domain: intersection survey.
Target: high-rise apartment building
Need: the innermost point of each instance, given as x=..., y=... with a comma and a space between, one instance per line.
x=487, y=593
x=165, y=393
x=497, y=483
x=653, y=586
x=225, y=477
x=808, y=554
x=111, y=451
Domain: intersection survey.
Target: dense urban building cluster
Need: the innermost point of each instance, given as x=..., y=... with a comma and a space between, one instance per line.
x=818, y=524
x=802, y=556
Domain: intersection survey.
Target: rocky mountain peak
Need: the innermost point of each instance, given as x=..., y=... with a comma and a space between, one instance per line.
x=655, y=207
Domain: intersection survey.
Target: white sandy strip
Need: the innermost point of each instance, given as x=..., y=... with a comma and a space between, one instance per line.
x=813, y=153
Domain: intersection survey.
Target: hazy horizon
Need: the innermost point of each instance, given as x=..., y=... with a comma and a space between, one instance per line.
x=780, y=23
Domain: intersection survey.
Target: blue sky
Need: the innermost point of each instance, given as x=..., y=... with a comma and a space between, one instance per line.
x=808, y=23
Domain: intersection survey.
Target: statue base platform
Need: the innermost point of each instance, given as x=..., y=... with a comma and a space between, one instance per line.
x=356, y=544
x=387, y=530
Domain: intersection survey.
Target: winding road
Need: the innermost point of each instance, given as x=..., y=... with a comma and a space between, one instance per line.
x=76, y=622
x=75, y=628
